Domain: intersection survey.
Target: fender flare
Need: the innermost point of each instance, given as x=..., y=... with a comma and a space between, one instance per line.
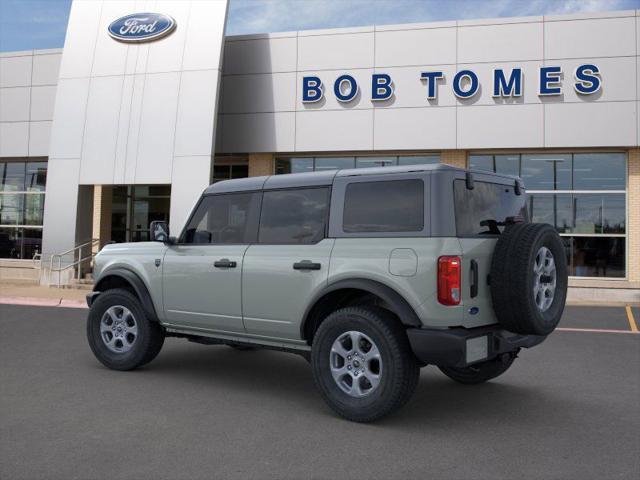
x=133, y=279
x=397, y=302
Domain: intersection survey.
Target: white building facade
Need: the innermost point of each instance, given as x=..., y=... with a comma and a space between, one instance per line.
x=120, y=134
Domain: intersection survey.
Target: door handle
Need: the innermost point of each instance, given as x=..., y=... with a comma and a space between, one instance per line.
x=474, y=279
x=306, y=265
x=224, y=263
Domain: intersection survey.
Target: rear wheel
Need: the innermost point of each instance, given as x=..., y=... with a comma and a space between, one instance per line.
x=363, y=364
x=119, y=332
x=480, y=372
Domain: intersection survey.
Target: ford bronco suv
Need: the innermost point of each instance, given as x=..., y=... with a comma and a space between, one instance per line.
x=370, y=274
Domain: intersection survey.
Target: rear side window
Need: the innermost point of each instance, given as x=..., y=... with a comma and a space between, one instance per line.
x=484, y=210
x=229, y=218
x=384, y=206
x=295, y=216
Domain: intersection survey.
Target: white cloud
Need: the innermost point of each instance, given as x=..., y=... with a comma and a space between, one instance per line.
x=254, y=16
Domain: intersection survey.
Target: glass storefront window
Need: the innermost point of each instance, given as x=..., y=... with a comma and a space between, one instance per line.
x=554, y=209
x=13, y=177
x=418, y=159
x=368, y=162
x=508, y=164
x=599, y=171
x=596, y=256
x=310, y=164
x=546, y=171
x=36, y=176
x=11, y=209
x=590, y=216
x=333, y=163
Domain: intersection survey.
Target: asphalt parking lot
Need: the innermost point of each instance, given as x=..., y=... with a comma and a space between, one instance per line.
x=567, y=409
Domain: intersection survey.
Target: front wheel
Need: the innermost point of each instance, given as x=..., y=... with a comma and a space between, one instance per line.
x=480, y=372
x=363, y=364
x=119, y=332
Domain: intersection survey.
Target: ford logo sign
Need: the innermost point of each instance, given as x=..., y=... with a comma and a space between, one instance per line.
x=141, y=27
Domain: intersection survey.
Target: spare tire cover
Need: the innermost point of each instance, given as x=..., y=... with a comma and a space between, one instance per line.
x=529, y=278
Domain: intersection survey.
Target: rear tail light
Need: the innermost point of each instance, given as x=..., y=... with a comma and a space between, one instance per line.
x=449, y=280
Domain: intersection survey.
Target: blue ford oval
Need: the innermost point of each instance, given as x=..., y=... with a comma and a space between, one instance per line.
x=142, y=27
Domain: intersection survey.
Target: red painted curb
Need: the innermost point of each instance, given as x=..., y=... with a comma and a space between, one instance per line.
x=42, y=302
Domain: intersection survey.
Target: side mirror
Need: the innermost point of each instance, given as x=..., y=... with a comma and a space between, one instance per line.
x=159, y=231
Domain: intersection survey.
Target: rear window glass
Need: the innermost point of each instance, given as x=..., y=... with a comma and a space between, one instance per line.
x=294, y=216
x=484, y=210
x=384, y=206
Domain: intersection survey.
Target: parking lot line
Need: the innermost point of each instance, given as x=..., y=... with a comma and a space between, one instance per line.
x=596, y=330
x=632, y=321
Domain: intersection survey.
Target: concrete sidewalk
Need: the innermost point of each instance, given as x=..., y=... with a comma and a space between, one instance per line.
x=25, y=294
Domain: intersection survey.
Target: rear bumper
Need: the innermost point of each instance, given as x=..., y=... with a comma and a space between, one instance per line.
x=459, y=347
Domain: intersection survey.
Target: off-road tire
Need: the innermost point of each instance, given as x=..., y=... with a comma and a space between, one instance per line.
x=398, y=378
x=480, y=372
x=150, y=336
x=512, y=278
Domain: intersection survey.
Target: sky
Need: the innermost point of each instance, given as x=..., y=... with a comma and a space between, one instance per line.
x=34, y=24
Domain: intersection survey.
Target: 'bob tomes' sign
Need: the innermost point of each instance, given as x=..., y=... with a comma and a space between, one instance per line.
x=141, y=27
x=465, y=84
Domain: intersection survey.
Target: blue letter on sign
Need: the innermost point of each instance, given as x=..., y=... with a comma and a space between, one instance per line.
x=432, y=79
x=550, y=81
x=473, y=84
x=381, y=87
x=311, y=89
x=350, y=93
x=510, y=88
x=587, y=79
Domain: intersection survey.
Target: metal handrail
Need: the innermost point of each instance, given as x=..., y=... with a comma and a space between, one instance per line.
x=78, y=248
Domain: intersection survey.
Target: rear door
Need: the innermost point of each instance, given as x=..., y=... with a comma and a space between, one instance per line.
x=202, y=273
x=290, y=262
x=480, y=216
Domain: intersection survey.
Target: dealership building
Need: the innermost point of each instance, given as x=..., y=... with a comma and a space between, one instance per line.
x=108, y=134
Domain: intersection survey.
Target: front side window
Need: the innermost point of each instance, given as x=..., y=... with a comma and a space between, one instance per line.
x=294, y=216
x=384, y=206
x=224, y=219
x=485, y=209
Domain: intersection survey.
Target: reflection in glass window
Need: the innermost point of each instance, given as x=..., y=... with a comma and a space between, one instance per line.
x=13, y=177
x=554, y=209
x=599, y=171
x=294, y=165
x=482, y=162
x=294, y=216
x=333, y=163
x=485, y=209
x=224, y=219
x=547, y=171
x=599, y=213
x=418, y=160
x=508, y=164
x=36, y=176
x=368, y=162
x=12, y=209
x=384, y=206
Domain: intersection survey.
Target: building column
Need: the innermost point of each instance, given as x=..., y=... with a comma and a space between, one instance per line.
x=102, y=202
x=633, y=207
x=455, y=158
x=261, y=164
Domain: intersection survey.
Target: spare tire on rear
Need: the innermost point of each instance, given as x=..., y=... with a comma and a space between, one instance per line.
x=529, y=278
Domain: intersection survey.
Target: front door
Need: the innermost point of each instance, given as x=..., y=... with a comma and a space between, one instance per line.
x=290, y=263
x=202, y=273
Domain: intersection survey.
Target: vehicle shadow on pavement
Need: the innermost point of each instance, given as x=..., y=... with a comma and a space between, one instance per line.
x=273, y=376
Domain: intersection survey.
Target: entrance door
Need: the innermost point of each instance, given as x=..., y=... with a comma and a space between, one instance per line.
x=134, y=207
x=290, y=263
x=202, y=273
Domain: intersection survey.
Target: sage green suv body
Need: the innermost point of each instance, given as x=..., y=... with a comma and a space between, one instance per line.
x=264, y=261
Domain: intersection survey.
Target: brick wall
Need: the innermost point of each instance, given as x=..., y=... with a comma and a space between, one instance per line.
x=260, y=164
x=457, y=158
x=633, y=227
x=102, y=201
